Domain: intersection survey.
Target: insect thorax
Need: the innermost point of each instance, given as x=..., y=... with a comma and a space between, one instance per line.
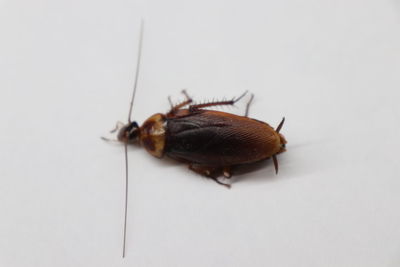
x=152, y=134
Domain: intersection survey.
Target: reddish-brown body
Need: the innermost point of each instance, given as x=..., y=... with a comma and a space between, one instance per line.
x=214, y=138
x=211, y=142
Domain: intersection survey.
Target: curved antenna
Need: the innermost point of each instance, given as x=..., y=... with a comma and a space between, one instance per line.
x=139, y=55
x=129, y=121
x=126, y=197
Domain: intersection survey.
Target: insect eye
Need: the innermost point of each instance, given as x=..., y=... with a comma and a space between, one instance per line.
x=132, y=131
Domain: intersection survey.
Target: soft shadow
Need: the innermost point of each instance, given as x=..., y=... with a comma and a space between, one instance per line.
x=297, y=162
x=293, y=163
x=259, y=172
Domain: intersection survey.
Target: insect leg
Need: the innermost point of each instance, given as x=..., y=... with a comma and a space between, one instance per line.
x=118, y=126
x=110, y=140
x=248, y=105
x=221, y=183
x=210, y=172
x=275, y=163
x=186, y=95
x=175, y=108
x=216, y=103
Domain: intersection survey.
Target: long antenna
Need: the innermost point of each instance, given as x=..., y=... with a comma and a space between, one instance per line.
x=126, y=197
x=139, y=55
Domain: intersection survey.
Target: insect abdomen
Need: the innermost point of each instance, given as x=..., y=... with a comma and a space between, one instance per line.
x=219, y=139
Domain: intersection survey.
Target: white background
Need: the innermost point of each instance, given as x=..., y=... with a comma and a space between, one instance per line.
x=66, y=73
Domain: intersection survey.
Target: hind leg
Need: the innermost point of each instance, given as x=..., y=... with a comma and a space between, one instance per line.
x=248, y=105
x=216, y=103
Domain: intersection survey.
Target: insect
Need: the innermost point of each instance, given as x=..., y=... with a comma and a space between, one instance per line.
x=210, y=142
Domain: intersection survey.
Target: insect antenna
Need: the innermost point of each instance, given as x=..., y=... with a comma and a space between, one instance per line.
x=139, y=55
x=129, y=121
x=126, y=198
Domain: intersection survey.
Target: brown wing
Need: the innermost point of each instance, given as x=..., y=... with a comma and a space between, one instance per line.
x=216, y=138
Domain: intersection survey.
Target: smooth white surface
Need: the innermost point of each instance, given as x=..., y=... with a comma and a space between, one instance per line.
x=66, y=72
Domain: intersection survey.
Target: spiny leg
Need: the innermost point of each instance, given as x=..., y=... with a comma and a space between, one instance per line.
x=175, y=108
x=248, y=105
x=188, y=98
x=217, y=103
x=210, y=172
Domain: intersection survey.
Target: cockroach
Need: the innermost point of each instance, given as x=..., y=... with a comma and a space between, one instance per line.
x=210, y=142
